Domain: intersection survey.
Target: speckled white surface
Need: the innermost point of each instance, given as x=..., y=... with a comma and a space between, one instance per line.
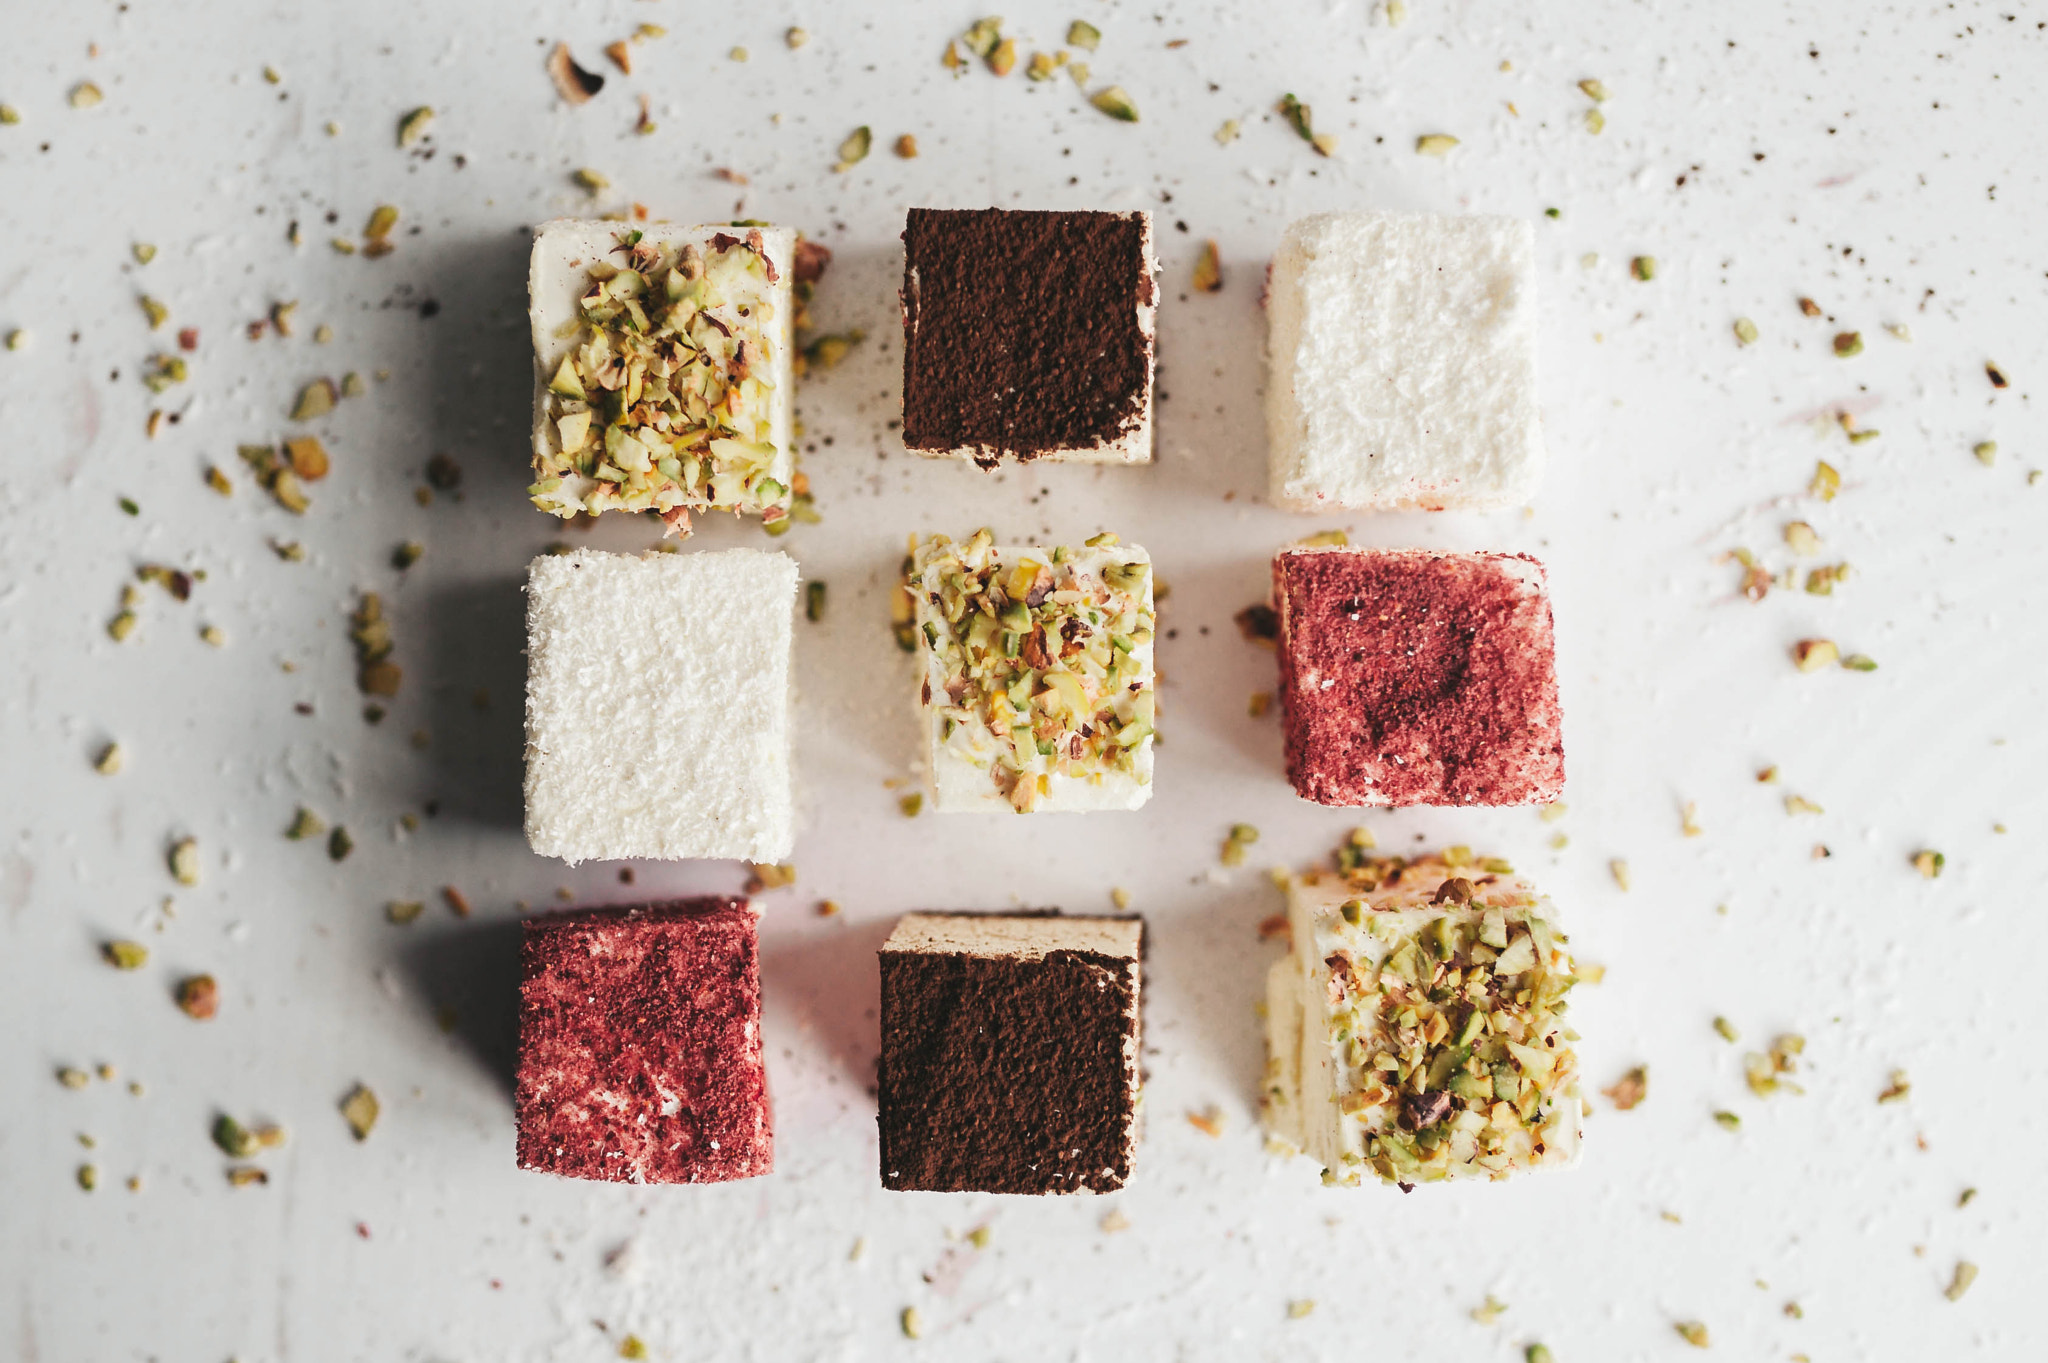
x=1898, y=185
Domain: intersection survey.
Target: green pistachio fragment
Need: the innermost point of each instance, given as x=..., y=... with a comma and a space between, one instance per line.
x=305, y=824
x=1083, y=35
x=235, y=1140
x=123, y=954
x=383, y=218
x=1929, y=863
x=1848, y=343
x=316, y=399
x=339, y=844
x=359, y=1109
x=1965, y=1274
x=85, y=95
x=1643, y=268
x=1115, y=101
x=156, y=312
x=404, y=911
x=912, y=1321
x=1538, y=1353
x=1726, y=1030
x=1745, y=331
x=1986, y=452
x=1595, y=90
x=1435, y=144
x=1693, y=1333
x=413, y=126
x=591, y=182
x=184, y=861
x=109, y=760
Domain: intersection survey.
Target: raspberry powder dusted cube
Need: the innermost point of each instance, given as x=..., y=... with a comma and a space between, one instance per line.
x=1415, y=1030
x=1038, y=689
x=640, y=1044
x=1028, y=335
x=1410, y=677
x=1402, y=353
x=1009, y=1053
x=657, y=705
x=662, y=369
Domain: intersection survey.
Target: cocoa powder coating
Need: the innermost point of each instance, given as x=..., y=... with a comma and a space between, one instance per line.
x=1004, y=1075
x=1021, y=333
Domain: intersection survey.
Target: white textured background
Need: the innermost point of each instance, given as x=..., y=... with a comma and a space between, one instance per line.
x=1881, y=158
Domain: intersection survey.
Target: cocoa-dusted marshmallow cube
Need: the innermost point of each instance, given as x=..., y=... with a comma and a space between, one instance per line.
x=1411, y=677
x=640, y=1044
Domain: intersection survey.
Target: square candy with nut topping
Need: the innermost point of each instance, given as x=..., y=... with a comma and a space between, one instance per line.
x=662, y=369
x=1411, y=677
x=1009, y=1053
x=1028, y=335
x=640, y=1044
x=1416, y=1028
x=1038, y=688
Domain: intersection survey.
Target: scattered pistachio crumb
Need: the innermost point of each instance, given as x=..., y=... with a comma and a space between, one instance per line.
x=1538, y=1353
x=1554, y=811
x=403, y=911
x=1929, y=863
x=413, y=126
x=1726, y=1030
x=632, y=1346
x=359, y=1109
x=1965, y=1274
x=213, y=635
x=738, y=54
x=17, y=339
x=1689, y=820
x=1435, y=144
x=1115, y=101
x=1630, y=1089
x=1848, y=343
x=342, y=246
x=184, y=861
x=85, y=94
x=72, y=1077
x=1799, y=804
x=199, y=997
x=828, y=908
x=123, y=954
x=88, y=1176
x=340, y=844
x=591, y=182
x=1811, y=655
x=1488, y=1311
x=1209, y=1121
x=1643, y=268
x=1745, y=331
x=1618, y=868
x=1120, y=897
x=407, y=554
x=979, y=1236
x=246, y=1175
x=109, y=760
x=854, y=149
x=1897, y=1090
x=912, y=1321
x=305, y=824
x=1596, y=122
x=1300, y=1307
x=1227, y=133
x=9, y=115
x=1594, y=90
x=1693, y=1333
x=1241, y=836
x=1986, y=452
x=1966, y=1197
x=1083, y=35
x=796, y=38
x=1113, y=1221
x=912, y=804
x=1859, y=662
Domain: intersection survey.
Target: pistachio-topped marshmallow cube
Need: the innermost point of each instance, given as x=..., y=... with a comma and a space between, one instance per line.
x=1038, y=686
x=1416, y=1028
x=662, y=369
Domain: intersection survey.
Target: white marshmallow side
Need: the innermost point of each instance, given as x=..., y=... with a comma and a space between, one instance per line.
x=1401, y=355
x=658, y=705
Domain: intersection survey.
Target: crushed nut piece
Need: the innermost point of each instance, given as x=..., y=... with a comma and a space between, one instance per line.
x=906, y=147
x=572, y=82
x=123, y=954
x=184, y=861
x=1897, y=1089
x=1208, y=269
x=1630, y=1089
x=1848, y=343
x=413, y=126
x=1811, y=655
x=359, y=1109
x=1618, y=868
x=1965, y=1274
x=1643, y=268
x=199, y=997
x=1115, y=101
x=1726, y=1030
x=1929, y=863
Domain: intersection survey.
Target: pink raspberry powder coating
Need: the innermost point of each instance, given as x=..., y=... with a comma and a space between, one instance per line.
x=1411, y=677
x=640, y=1044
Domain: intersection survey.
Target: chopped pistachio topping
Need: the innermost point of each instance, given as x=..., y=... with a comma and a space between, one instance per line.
x=316, y=399
x=156, y=312
x=305, y=824
x=1594, y=90
x=246, y=1175
x=1745, y=331
x=1729, y=1120
x=1859, y=662
x=71, y=1077
x=632, y=1346
x=906, y=147
x=376, y=674
x=9, y=115
x=88, y=1176
x=123, y=954
x=1538, y=1353
x=1228, y=132
x=1643, y=268
x=383, y=218
x=1241, y=836
x=1115, y=101
x=1488, y=1311
x=184, y=861
x=1693, y=1333
x=1618, y=868
x=1965, y=1274
x=109, y=760
x=17, y=339
x=796, y=38
x=235, y=1140
x=1043, y=66
x=163, y=371
x=1435, y=144
x=1208, y=269
x=121, y=626
x=1848, y=343
x=1300, y=1308
x=85, y=94
x=340, y=844
x=359, y=1109
x=1726, y=1030
x=1929, y=863
x=1452, y=1051
x=1897, y=1089
x=1986, y=452
x=1003, y=59
x=591, y=182
x=1765, y=1073
x=404, y=911
x=664, y=403
x=1083, y=35
x=912, y=1322
x=1826, y=481
x=1039, y=663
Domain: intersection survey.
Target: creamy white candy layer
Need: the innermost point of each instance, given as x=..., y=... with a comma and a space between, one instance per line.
x=657, y=705
x=1038, y=688
x=1401, y=351
x=676, y=394
x=1419, y=1041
